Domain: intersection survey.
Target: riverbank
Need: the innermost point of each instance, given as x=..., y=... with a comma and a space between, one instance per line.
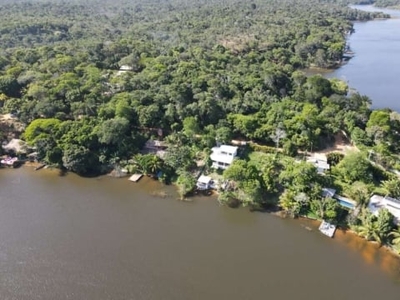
x=105, y=236
x=370, y=251
x=367, y=249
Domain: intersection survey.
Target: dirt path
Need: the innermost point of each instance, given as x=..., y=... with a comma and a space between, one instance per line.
x=341, y=145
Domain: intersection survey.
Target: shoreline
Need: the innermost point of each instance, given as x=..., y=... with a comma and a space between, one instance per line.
x=273, y=210
x=382, y=256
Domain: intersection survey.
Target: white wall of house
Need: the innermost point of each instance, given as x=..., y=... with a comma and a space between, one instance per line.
x=223, y=156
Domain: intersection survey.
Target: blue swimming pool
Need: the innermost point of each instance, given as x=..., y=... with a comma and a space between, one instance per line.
x=346, y=204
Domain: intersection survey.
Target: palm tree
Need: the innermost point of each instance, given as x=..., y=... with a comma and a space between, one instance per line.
x=392, y=187
x=396, y=239
x=138, y=162
x=370, y=231
x=375, y=228
x=360, y=192
x=154, y=164
x=288, y=203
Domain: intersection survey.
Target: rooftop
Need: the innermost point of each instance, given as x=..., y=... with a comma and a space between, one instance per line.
x=204, y=179
x=223, y=154
x=226, y=148
x=392, y=205
x=126, y=68
x=319, y=163
x=328, y=192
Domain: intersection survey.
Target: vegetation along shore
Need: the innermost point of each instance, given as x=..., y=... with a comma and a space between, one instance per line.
x=206, y=94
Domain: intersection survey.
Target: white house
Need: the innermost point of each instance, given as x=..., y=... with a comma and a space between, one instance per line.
x=223, y=156
x=204, y=183
x=392, y=205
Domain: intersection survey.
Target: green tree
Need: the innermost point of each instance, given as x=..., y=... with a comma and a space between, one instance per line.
x=288, y=203
x=186, y=184
x=354, y=167
x=179, y=158
x=224, y=134
x=392, y=187
x=395, y=235
x=191, y=126
x=148, y=164
x=360, y=192
x=326, y=208
x=375, y=228
x=298, y=176
x=246, y=181
x=41, y=128
x=112, y=132
x=79, y=159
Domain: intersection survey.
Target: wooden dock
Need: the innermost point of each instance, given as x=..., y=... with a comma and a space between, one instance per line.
x=135, y=177
x=327, y=229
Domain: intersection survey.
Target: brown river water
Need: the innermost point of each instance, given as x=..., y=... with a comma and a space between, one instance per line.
x=66, y=237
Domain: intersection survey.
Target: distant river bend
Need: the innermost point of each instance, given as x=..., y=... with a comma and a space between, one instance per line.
x=375, y=69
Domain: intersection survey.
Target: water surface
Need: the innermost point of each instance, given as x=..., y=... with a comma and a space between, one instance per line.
x=375, y=69
x=75, y=238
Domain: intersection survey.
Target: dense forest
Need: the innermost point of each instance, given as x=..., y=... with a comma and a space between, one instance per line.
x=93, y=81
x=231, y=65
x=380, y=3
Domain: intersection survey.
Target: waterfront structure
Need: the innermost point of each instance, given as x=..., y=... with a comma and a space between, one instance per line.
x=376, y=203
x=155, y=147
x=204, y=183
x=223, y=156
x=327, y=228
x=135, y=177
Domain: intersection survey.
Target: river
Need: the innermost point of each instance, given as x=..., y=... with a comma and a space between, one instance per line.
x=375, y=69
x=66, y=237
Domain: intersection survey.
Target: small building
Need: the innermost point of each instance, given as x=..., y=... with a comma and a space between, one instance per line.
x=377, y=203
x=123, y=69
x=204, y=183
x=155, y=147
x=328, y=192
x=327, y=229
x=223, y=156
x=321, y=165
